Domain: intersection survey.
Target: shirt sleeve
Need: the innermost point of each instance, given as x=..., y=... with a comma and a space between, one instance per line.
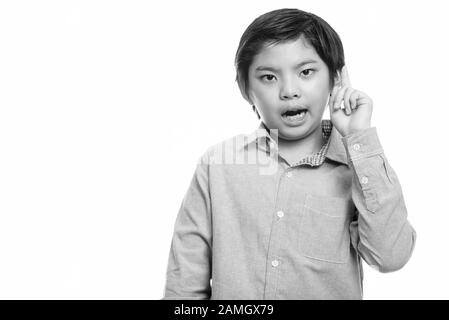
x=189, y=264
x=381, y=233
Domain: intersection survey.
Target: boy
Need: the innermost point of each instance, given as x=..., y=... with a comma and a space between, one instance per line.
x=301, y=230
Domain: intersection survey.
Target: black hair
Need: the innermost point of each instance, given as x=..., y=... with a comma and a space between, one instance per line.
x=284, y=25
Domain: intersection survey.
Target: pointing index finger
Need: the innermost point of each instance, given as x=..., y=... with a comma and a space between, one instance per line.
x=345, y=77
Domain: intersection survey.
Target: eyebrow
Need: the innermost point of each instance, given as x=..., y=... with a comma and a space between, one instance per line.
x=260, y=68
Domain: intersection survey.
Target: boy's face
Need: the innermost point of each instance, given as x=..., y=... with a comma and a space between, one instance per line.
x=289, y=77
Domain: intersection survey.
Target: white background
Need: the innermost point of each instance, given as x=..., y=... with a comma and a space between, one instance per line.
x=105, y=107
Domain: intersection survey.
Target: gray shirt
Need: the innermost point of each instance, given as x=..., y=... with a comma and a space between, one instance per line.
x=252, y=226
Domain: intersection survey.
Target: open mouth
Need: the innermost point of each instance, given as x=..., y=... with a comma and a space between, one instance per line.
x=294, y=115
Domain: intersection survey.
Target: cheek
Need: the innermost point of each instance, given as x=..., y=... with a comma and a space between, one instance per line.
x=319, y=91
x=265, y=94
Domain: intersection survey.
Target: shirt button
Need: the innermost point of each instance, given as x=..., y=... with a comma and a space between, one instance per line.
x=289, y=174
x=356, y=147
x=280, y=214
x=364, y=180
x=275, y=263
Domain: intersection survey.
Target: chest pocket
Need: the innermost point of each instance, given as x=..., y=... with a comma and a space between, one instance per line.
x=324, y=228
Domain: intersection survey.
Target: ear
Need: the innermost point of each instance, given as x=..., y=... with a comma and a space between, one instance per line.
x=243, y=93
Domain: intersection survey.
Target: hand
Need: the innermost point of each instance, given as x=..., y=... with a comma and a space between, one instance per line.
x=358, y=107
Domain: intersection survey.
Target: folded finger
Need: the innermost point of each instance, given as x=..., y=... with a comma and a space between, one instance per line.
x=348, y=94
x=353, y=100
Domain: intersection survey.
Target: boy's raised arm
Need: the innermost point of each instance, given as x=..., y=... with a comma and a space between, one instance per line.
x=189, y=264
x=382, y=234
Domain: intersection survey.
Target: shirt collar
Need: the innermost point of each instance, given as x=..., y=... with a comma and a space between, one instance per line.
x=332, y=149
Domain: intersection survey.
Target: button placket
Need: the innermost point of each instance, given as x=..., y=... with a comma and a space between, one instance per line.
x=274, y=254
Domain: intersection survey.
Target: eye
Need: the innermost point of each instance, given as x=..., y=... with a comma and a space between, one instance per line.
x=308, y=72
x=269, y=77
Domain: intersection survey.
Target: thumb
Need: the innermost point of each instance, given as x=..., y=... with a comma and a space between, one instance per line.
x=337, y=116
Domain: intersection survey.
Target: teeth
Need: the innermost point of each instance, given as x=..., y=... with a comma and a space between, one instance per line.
x=297, y=117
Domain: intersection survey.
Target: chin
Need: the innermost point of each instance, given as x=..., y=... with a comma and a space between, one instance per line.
x=292, y=133
x=293, y=138
x=297, y=133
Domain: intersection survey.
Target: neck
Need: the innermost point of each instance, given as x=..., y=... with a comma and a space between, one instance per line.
x=305, y=146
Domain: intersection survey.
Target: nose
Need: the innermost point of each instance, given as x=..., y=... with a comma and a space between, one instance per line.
x=290, y=89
